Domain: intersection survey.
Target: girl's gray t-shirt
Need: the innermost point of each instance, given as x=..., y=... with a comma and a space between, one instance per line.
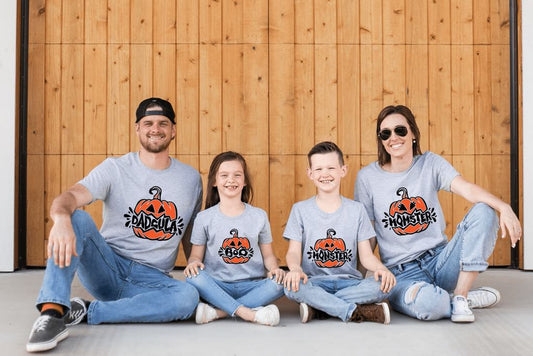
x=329, y=240
x=232, y=251
x=145, y=211
x=405, y=207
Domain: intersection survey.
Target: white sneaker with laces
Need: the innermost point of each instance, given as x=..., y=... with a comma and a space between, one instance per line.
x=483, y=297
x=268, y=315
x=205, y=313
x=461, y=313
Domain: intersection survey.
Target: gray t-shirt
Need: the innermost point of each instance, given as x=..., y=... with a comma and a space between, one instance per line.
x=145, y=211
x=232, y=250
x=405, y=206
x=329, y=240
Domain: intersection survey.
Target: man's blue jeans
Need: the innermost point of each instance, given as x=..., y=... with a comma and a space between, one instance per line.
x=229, y=296
x=424, y=285
x=125, y=291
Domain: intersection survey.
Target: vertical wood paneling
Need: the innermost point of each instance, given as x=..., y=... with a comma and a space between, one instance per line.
x=348, y=102
x=72, y=99
x=439, y=25
x=210, y=86
x=325, y=93
x=394, y=21
x=482, y=100
x=371, y=21
x=268, y=78
x=462, y=100
x=187, y=100
x=281, y=101
x=95, y=100
x=304, y=98
x=119, y=120
x=52, y=104
x=440, y=100
x=325, y=21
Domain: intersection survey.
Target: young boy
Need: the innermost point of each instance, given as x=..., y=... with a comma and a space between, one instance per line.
x=325, y=234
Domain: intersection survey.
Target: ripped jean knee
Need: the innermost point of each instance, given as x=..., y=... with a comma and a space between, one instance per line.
x=424, y=301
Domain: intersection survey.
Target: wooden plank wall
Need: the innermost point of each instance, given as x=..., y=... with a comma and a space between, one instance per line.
x=267, y=78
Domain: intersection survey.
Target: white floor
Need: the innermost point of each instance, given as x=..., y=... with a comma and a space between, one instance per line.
x=506, y=329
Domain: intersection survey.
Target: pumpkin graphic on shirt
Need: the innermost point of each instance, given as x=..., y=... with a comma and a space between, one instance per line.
x=154, y=219
x=409, y=215
x=329, y=252
x=236, y=249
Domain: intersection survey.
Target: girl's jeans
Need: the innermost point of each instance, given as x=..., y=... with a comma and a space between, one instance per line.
x=126, y=291
x=424, y=284
x=229, y=296
x=338, y=297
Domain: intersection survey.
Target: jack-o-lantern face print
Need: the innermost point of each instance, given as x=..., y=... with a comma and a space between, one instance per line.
x=154, y=219
x=329, y=252
x=408, y=215
x=235, y=249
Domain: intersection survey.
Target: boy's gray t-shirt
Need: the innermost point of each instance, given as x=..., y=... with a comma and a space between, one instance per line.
x=145, y=211
x=232, y=250
x=329, y=240
x=405, y=207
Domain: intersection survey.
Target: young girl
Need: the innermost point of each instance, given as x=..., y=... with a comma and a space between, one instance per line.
x=232, y=247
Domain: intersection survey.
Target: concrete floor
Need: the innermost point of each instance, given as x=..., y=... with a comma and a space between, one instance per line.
x=506, y=329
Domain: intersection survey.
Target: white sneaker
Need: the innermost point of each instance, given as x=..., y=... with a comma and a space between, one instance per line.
x=268, y=315
x=461, y=313
x=483, y=297
x=205, y=313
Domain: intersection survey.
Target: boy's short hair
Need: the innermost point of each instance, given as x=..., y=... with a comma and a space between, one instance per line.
x=325, y=147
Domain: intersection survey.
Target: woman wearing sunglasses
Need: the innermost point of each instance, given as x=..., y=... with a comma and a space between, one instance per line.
x=400, y=194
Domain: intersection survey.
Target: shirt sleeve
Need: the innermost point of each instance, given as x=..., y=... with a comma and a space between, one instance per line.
x=365, y=230
x=199, y=231
x=265, y=235
x=294, y=227
x=363, y=195
x=443, y=172
x=98, y=181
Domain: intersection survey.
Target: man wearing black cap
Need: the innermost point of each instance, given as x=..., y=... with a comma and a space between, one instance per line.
x=149, y=199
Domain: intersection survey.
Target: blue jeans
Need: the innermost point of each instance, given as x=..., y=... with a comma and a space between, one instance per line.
x=229, y=296
x=338, y=297
x=424, y=285
x=126, y=291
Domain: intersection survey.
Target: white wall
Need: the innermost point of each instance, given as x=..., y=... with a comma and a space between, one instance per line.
x=527, y=80
x=8, y=58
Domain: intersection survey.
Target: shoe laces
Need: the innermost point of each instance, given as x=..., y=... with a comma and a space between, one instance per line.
x=41, y=323
x=460, y=305
x=74, y=314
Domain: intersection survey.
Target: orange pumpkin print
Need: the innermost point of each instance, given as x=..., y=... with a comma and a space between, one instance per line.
x=408, y=215
x=235, y=249
x=154, y=219
x=329, y=252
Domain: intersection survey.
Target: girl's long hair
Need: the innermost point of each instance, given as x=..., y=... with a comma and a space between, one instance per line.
x=212, y=197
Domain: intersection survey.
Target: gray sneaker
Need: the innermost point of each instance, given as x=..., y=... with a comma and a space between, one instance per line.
x=77, y=312
x=46, y=332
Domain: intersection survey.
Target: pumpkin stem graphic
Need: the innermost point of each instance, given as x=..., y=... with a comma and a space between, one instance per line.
x=234, y=232
x=157, y=191
x=403, y=192
x=331, y=232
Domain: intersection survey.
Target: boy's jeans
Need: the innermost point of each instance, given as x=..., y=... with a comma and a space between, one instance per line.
x=337, y=297
x=126, y=291
x=229, y=296
x=424, y=285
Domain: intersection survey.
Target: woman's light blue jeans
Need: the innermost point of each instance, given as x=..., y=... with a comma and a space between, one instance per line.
x=424, y=285
x=229, y=296
x=126, y=291
x=338, y=297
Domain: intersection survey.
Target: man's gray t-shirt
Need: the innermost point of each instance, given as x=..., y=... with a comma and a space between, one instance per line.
x=232, y=250
x=405, y=207
x=329, y=240
x=145, y=211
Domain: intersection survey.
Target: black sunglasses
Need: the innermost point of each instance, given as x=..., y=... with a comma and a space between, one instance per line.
x=385, y=134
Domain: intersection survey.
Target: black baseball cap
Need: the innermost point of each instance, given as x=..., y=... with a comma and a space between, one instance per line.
x=147, y=104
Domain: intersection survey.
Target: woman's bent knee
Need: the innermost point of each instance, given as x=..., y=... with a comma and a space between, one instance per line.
x=427, y=302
